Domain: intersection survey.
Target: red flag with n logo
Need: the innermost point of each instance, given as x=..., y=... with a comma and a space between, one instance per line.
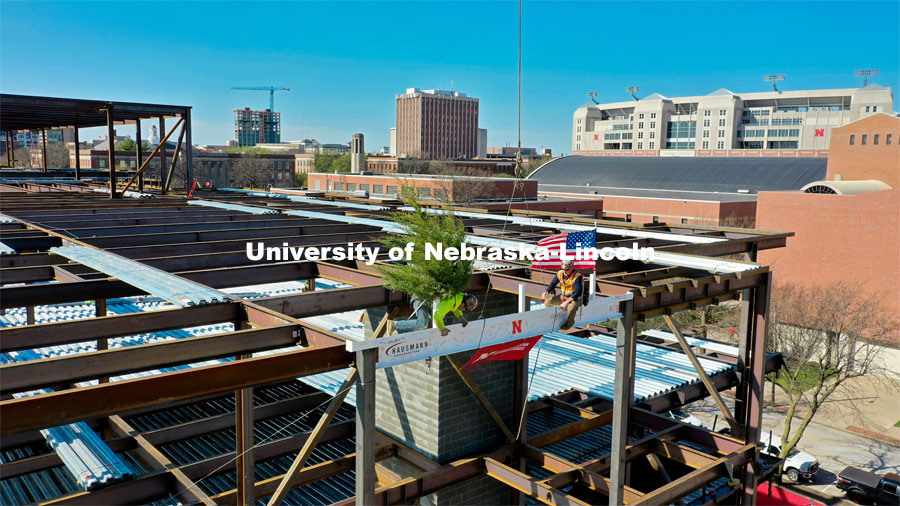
x=513, y=350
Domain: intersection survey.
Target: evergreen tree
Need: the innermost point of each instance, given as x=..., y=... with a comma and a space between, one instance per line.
x=421, y=278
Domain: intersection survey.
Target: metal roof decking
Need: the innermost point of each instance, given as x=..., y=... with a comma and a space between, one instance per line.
x=233, y=207
x=172, y=288
x=723, y=348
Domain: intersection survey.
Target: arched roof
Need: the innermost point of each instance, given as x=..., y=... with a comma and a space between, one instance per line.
x=728, y=175
x=846, y=187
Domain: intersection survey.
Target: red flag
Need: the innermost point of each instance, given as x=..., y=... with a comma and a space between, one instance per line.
x=513, y=350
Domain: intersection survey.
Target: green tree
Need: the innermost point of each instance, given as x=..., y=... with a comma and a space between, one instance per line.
x=342, y=163
x=126, y=145
x=422, y=278
x=535, y=164
x=302, y=179
x=248, y=150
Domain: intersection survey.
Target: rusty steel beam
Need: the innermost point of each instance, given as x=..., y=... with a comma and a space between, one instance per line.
x=332, y=301
x=141, y=490
x=57, y=408
x=74, y=331
x=523, y=483
x=35, y=374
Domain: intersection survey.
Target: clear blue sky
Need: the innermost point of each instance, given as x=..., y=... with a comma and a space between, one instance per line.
x=344, y=62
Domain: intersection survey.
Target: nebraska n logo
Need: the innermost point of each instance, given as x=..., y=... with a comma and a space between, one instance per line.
x=517, y=327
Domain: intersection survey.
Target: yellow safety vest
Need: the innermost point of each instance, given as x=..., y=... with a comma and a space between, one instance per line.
x=567, y=285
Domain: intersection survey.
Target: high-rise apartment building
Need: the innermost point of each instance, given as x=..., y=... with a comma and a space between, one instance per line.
x=254, y=127
x=436, y=124
x=723, y=121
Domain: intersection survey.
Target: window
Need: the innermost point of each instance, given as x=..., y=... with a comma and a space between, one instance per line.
x=888, y=139
x=627, y=217
x=338, y=186
x=652, y=115
x=706, y=133
x=424, y=192
x=641, y=116
x=578, y=138
x=852, y=140
x=738, y=134
x=652, y=124
x=721, y=134
x=652, y=134
x=705, y=144
x=377, y=188
x=440, y=194
x=874, y=108
x=720, y=145
x=723, y=112
x=652, y=144
x=641, y=123
x=684, y=221
x=864, y=138
x=867, y=108
x=351, y=187
x=578, y=129
x=640, y=145
x=640, y=135
x=364, y=187
x=392, y=190
x=579, y=121
x=656, y=219
x=706, y=122
x=316, y=184
x=707, y=112
x=578, y=147
x=875, y=140
x=722, y=122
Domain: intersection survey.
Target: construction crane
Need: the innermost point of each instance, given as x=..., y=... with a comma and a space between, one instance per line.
x=270, y=89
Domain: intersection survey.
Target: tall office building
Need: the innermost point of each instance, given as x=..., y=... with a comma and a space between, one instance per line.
x=255, y=127
x=723, y=121
x=436, y=124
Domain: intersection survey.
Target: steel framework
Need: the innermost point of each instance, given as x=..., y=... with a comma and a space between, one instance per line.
x=206, y=245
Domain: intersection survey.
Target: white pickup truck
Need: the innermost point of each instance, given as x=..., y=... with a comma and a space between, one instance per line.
x=798, y=464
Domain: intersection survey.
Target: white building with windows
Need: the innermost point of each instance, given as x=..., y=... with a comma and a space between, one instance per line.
x=723, y=121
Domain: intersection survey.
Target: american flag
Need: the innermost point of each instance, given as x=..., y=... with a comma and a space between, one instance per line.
x=587, y=238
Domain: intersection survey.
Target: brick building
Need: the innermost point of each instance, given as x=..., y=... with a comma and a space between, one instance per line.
x=393, y=164
x=436, y=124
x=859, y=199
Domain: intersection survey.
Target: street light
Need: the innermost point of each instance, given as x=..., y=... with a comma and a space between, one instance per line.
x=593, y=94
x=774, y=78
x=866, y=74
x=633, y=90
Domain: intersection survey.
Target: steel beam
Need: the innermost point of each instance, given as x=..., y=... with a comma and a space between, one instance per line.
x=289, y=478
x=244, y=462
x=365, y=427
x=624, y=398
x=523, y=483
x=111, y=139
x=57, y=408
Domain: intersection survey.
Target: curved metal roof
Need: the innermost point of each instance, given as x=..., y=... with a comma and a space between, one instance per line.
x=683, y=173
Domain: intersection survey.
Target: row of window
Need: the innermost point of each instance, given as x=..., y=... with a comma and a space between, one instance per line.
x=755, y=122
x=784, y=132
x=652, y=116
x=786, y=121
x=719, y=145
x=876, y=139
x=681, y=129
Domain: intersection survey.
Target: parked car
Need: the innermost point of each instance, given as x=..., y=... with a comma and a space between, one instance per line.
x=680, y=415
x=865, y=485
x=798, y=464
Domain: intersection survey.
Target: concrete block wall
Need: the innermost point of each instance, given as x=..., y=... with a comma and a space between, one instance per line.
x=426, y=405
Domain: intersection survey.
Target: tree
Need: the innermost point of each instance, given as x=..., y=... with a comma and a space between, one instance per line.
x=422, y=278
x=828, y=335
x=58, y=156
x=126, y=145
x=536, y=163
x=302, y=179
x=22, y=157
x=248, y=150
x=327, y=162
x=250, y=171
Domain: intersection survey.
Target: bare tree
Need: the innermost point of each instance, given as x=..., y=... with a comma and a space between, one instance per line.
x=22, y=157
x=250, y=171
x=58, y=156
x=828, y=335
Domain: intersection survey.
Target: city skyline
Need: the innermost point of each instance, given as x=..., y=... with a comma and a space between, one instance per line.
x=344, y=69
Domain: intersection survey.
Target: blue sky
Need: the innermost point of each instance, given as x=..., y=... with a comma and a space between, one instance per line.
x=344, y=62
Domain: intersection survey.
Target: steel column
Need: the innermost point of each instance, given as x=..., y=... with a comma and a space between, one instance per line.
x=44, y=149
x=162, y=157
x=111, y=151
x=624, y=397
x=77, y=154
x=245, y=464
x=365, y=427
x=757, y=382
x=188, y=150
x=137, y=153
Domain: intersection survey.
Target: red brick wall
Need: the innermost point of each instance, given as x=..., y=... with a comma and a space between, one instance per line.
x=838, y=238
x=499, y=187
x=869, y=161
x=642, y=210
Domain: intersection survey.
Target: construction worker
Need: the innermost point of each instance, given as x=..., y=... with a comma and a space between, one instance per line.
x=454, y=304
x=572, y=285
